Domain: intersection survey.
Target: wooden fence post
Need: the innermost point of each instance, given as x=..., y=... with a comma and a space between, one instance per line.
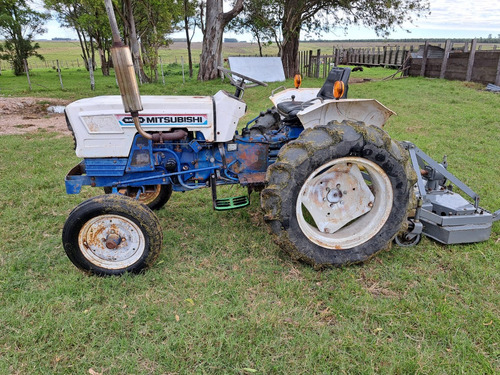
x=497, y=80
x=424, y=59
x=59, y=73
x=470, y=64
x=309, y=65
x=182, y=62
x=444, y=63
x=27, y=72
x=162, y=75
x=91, y=73
x=397, y=56
x=318, y=62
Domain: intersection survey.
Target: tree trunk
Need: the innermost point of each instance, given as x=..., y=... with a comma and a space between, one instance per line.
x=291, y=33
x=134, y=43
x=104, y=62
x=83, y=47
x=92, y=53
x=289, y=54
x=188, y=39
x=216, y=20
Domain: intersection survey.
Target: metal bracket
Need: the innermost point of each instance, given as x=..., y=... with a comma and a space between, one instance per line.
x=418, y=157
x=496, y=215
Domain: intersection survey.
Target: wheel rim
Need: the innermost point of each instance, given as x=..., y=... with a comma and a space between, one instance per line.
x=146, y=197
x=339, y=207
x=111, y=241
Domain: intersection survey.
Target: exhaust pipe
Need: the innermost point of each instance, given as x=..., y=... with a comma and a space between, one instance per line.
x=125, y=74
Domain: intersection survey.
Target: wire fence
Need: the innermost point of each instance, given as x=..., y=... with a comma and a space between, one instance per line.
x=35, y=71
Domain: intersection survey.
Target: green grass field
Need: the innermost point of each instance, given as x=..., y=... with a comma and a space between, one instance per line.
x=223, y=299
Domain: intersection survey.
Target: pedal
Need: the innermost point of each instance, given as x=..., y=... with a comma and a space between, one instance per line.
x=231, y=203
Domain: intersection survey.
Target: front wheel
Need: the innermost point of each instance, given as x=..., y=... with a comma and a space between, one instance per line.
x=111, y=235
x=338, y=194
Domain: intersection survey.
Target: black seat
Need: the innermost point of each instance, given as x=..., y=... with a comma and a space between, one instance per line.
x=289, y=109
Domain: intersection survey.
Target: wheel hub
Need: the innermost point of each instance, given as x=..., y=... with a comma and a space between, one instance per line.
x=337, y=196
x=338, y=207
x=334, y=196
x=111, y=241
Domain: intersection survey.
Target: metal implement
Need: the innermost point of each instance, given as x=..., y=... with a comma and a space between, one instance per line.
x=445, y=215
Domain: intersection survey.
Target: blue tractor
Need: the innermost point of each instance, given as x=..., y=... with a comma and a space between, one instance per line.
x=335, y=189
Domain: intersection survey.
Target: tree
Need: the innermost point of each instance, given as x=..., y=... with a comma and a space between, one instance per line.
x=94, y=21
x=323, y=15
x=190, y=21
x=88, y=18
x=261, y=19
x=215, y=22
x=127, y=15
x=154, y=20
x=19, y=24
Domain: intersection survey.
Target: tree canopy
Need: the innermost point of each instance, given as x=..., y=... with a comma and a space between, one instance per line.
x=19, y=24
x=283, y=20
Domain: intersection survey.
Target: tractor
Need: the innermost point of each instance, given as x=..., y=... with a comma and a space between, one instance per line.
x=335, y=189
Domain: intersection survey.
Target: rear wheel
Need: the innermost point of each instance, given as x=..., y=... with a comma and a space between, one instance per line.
x=153, y=196
x=338, y=194
x=111, y=235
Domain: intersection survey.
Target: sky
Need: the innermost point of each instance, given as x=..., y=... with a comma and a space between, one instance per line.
x=448, y=19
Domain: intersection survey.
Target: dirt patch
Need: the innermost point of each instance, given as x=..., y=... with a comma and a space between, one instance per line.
x=25, y=115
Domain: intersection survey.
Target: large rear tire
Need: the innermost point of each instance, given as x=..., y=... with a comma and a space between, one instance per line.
x=338, y=194
x=112, y=234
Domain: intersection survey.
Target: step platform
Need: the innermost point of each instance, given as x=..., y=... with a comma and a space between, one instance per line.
x=223, y=204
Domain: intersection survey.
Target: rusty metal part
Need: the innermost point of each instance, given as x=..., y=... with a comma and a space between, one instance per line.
x=111, y=241
x=138, y=126
x=176, y=135
x=247, y=179
x=252, y=158
x=337, y=207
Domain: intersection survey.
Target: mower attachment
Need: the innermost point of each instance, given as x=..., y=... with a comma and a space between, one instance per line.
x=446, y=216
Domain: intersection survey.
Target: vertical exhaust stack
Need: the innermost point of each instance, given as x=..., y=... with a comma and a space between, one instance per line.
x=125, y=74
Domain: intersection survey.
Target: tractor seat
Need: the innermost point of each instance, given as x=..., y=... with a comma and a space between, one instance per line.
x=289, y=109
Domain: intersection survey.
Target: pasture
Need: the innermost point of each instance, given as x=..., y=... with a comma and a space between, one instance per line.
x=223, y=298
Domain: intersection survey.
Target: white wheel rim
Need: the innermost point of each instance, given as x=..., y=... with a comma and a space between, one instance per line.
x=92, y=241
x=337, y=208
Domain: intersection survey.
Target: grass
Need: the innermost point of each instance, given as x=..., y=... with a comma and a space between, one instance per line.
x=223, y=299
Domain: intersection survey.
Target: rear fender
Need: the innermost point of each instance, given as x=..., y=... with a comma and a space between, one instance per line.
x=368, y=111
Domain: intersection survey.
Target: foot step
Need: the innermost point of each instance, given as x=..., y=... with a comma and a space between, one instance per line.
x=232, y=203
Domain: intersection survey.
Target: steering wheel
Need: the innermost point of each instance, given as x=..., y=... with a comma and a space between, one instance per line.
x=240, y=84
